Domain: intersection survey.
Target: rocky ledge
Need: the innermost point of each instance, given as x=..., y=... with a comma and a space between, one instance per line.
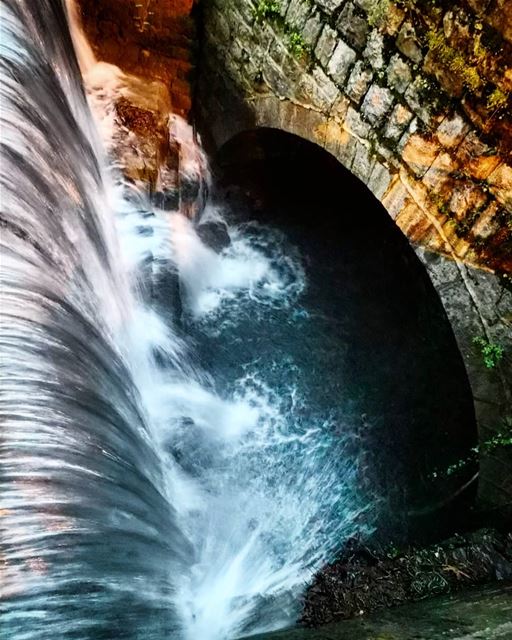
x=364, y=580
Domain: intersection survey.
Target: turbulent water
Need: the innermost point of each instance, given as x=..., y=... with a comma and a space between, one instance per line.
x=140, y=497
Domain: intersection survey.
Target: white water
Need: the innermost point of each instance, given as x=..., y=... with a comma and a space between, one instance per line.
x=260, y=500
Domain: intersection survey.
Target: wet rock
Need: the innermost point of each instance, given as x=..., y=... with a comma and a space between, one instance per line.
x=166, y=291
x=214, y=233
x=166, y=199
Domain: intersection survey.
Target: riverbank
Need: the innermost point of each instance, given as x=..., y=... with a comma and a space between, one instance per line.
x=363, y=581
x=482, y=613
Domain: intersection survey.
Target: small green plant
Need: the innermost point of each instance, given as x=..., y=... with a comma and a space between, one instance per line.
x=491, y=353
x=266, y=10
x=296, y=43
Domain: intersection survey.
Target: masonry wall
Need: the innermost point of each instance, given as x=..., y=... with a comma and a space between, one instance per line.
x=414, y=98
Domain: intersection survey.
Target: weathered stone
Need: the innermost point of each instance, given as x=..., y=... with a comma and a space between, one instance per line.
x=501, y=184
x=374, y=51
x=477, y=157
x=466, y=198
x=298, y=12
x=452, y=131
x=376, y=104
x=330, y=5
x=395, y=196
x=397, y=122
x=276, y=79
x=419, y=153
x=379, y=180
x=438, y=174
x=324, y=92
x=311, y=30
x=398, y=74
x=487, y=224
x=341, y=60
x=325, y=45
x=359, y=81
x=407, y=43
x=283, y=7
x=353, y=26
x=363, y=162
x=355, y=125
x=416, y=99
x=340, y=107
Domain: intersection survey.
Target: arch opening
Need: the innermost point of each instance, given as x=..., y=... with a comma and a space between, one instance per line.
x=372, y=337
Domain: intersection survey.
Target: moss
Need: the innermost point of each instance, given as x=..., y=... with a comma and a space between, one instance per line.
x=377, y=11
x=454, y=60
x=497, y=100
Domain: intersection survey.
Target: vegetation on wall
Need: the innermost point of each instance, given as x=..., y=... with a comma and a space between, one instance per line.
x=491, y=353
x=502, y=439
x=269, y=10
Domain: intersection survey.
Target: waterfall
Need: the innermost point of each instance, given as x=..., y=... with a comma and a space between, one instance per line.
x=139, y=498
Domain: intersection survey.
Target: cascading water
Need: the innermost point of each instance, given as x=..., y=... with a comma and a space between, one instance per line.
x=140, y=497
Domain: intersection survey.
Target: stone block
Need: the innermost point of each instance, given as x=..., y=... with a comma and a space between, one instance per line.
x=363, y=162
x=408, y=44
x=466, y=198
x=395, y=196
x=341, y=60
x=377, y=104
x=452, y=131
x=325, y=45
x=330, y=6
x=311, y=30
x=374, y=51
x=439, y=173
x=325, y=91
x=501, y=185
x=479, y=159
x=276, y=79
x=415, y=98
x=398, y=74
x=397, y=122
x=297, y=13
x=379, y=180
x=353, y=26
x=487, y=224
x=418, y=152
x=359, y=81
x=355, y=125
